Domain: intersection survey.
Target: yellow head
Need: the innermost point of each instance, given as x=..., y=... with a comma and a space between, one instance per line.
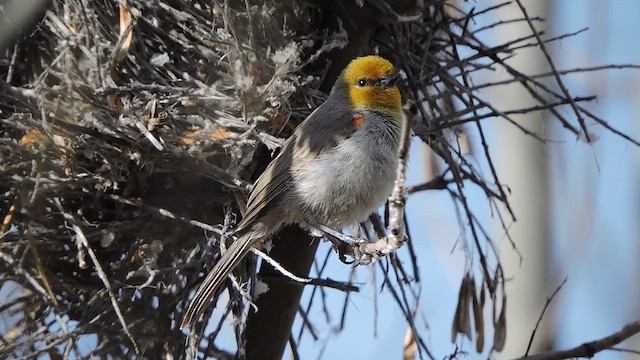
x=370, y=83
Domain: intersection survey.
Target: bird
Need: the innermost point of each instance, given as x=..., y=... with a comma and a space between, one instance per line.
x=336, y=168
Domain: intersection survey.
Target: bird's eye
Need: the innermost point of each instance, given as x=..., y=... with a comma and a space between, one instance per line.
x=362, y=82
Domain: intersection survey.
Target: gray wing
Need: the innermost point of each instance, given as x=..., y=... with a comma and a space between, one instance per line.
x=308, y=141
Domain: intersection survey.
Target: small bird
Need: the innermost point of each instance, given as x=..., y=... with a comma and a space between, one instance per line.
x=336, y=169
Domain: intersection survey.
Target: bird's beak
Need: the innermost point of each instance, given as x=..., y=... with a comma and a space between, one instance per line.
x=390, y=80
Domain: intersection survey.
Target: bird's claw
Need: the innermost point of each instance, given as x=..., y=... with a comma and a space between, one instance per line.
x=342, y=252
x=345, y=245
x=361, y=257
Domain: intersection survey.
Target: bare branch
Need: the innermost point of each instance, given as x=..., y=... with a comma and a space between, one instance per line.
x=546, y=305
x=587, y=350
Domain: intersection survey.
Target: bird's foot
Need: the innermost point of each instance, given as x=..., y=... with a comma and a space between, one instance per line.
x=345, y=244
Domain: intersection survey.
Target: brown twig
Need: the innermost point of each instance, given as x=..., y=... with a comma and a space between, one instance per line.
x=588, y=349
x=36, y=257
x=437, y=183
x=546, y=305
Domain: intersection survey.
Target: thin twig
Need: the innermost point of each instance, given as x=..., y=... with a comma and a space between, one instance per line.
x=36, y=257
x=546, y=305
x=588, y=349
x=305, y=281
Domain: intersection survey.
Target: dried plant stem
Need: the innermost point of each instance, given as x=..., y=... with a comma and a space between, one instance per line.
x=38, y=261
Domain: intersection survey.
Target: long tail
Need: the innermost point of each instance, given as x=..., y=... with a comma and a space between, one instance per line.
x=230, y=259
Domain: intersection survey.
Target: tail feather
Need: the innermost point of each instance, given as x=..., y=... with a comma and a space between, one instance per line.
x=230, y=259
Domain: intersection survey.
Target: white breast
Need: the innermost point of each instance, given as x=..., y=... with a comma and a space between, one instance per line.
x=348, y=184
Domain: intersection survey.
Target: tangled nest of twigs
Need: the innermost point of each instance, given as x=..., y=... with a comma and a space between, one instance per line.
x=130, y=134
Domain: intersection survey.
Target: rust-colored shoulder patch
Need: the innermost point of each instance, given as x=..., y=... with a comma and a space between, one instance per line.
x=357, y=121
